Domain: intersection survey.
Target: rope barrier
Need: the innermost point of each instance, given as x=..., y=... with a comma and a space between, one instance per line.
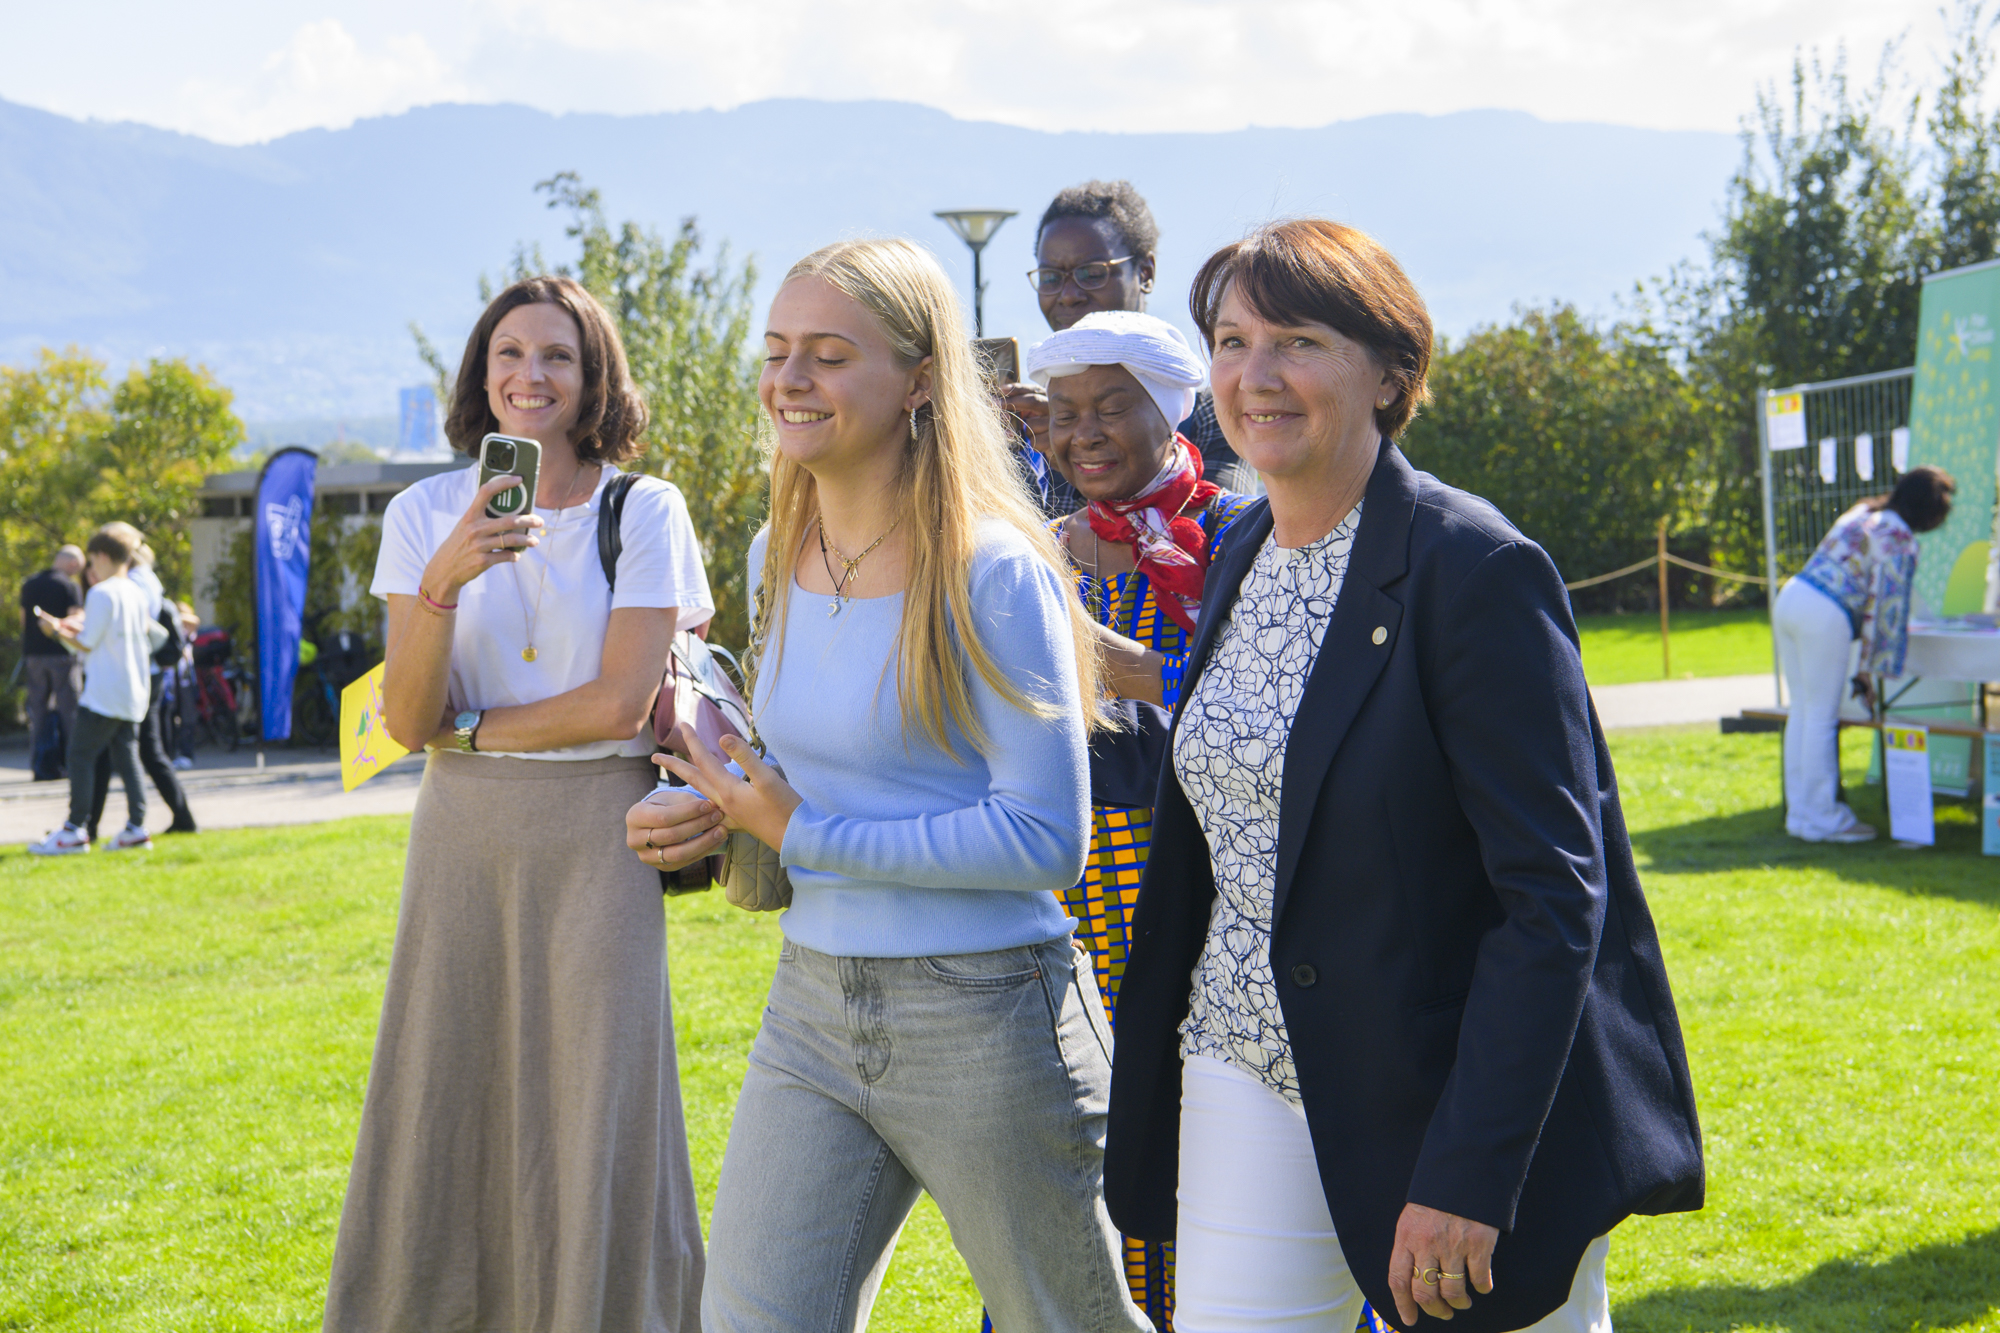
x=1718, y=573
x=1647, y=563
x=1652, y=560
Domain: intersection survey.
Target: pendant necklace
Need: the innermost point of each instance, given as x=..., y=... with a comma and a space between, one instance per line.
x=532, y=619
x=849, y=566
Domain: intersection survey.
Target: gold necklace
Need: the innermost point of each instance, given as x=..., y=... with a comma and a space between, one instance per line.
x=532, y=620
x=849, y=566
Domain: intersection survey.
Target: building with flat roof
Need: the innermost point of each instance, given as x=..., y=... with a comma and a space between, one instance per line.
x=357, y=492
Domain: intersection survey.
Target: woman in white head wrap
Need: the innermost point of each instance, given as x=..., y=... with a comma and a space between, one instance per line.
x=1117, y=380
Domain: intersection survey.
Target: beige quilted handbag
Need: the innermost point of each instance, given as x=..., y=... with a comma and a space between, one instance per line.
x=752, y=877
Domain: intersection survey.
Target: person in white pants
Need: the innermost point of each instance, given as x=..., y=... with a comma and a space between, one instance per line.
x=1815, y=651
x=1257, y=1248
x=1856, y=586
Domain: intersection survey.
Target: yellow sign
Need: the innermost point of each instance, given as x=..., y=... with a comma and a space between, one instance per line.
x=365, y=746
x=1907, y=738
x=1787, y=426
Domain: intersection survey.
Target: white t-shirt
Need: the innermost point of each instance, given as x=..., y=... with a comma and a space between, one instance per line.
x=117, y=651
x=659, y=566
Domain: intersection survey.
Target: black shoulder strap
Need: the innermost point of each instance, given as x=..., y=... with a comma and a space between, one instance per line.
x=610, y=517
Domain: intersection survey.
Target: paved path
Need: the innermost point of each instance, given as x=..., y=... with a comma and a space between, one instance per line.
x=303, y=786
x=1666, y=703
x=224, y=791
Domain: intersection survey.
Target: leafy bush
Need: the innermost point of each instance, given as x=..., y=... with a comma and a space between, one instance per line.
x=77, y=451
x=1585, y=437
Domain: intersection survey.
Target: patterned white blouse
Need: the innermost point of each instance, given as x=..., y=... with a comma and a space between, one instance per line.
x=1229, y=756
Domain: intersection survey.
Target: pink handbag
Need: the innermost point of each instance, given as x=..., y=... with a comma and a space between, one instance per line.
x=698, y=697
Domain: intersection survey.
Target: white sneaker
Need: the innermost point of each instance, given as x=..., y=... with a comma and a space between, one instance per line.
x=182, y=763
x=129, y=838
x=65, y=841
x=1852, y=833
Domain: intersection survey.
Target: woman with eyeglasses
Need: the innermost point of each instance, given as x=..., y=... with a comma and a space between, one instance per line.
x=1096, y=249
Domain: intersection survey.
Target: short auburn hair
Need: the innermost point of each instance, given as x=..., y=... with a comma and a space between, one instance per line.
x=1311, y=271
x=612, y=420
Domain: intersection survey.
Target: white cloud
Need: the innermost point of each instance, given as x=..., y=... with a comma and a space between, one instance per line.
x=1200, y=64
x=242, y=70
x=322, y=78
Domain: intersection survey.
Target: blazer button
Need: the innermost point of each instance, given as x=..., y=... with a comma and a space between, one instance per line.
x=1381, y=634
x=1304, y=976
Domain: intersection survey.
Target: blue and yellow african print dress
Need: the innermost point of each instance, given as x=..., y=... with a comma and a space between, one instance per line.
x=1104, y=899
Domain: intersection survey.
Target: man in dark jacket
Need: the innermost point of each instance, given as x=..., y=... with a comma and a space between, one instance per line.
x=49, y=672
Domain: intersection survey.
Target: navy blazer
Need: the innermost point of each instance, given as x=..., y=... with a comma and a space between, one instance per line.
x=1468, y=971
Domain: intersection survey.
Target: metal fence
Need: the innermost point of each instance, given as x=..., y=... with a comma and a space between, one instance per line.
x=1800, y=501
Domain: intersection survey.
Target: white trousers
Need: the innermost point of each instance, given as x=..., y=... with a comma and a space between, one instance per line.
x=1815, y=650
x=1256, y=1251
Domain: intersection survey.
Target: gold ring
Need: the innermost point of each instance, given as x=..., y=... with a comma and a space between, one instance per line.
x=649, y=838
x=1429, y=1276
x=1452, y=1277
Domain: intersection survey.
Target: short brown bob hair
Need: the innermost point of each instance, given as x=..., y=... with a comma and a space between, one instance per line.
x=612, y=420
x=1311, y=271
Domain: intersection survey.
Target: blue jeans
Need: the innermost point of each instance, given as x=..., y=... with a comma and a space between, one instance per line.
x=982, y=1078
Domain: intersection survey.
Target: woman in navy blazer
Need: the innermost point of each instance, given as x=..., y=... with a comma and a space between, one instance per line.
x=1391, y=941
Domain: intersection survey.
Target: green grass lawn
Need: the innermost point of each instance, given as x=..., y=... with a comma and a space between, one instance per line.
x=1623, y=649
x=184, y=1041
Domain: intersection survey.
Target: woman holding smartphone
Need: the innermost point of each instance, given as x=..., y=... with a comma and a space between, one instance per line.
x=522, y=1161
x=924, y=679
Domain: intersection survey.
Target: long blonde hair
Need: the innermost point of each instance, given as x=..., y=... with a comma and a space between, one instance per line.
x=957, y=471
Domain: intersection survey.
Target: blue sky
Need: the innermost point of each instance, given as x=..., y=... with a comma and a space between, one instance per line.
x=247, y=70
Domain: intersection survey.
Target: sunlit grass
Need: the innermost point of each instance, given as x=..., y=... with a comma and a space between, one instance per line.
x=184, y=1041
x=1624, y=649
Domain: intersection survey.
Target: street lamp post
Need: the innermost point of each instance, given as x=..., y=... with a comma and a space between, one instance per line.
x=975, y=226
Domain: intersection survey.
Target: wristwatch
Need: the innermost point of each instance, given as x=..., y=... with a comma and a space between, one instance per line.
x=465, y=727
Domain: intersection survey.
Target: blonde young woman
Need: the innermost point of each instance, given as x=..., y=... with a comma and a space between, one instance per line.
x=921, y=678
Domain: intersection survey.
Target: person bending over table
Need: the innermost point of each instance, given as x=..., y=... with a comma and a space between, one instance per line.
x=1856, y=586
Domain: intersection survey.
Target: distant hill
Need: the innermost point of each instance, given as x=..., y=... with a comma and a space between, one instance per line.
x=294, y=267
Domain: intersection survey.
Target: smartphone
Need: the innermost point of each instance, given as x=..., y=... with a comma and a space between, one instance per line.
x=510, y=456
x=999, y=359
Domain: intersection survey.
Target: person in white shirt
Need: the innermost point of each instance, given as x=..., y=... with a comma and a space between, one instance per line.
x=116, y=637
x=152, y=750
x=522, y=1161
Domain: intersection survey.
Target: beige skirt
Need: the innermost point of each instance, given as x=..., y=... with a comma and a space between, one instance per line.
x=523, y=1162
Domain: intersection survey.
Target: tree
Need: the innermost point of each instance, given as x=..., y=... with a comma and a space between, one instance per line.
x=686, y=329
x=1584, y=436
x=76, y=452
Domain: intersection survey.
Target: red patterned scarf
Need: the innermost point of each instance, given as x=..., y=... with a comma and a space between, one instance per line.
x=1168, y=546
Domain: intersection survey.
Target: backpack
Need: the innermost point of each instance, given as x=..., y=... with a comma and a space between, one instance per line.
x=168, y=655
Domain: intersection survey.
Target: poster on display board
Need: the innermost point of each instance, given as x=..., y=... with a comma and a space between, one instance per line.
x=1906, y=770
x=1989, y=821
x=1955, y=425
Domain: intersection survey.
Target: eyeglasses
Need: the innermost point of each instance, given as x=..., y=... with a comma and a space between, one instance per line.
x=1089, y=277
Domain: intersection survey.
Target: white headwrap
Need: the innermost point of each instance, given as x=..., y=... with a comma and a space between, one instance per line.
x=1152, y=349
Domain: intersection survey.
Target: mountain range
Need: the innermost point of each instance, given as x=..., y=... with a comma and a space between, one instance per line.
x=293, y=268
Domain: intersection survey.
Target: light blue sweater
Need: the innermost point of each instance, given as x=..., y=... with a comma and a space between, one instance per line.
x=900, y=850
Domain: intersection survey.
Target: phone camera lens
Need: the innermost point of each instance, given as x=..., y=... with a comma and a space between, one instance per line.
x=503, y=456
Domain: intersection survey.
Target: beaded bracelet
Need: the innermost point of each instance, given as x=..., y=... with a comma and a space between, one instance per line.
x=433, y=606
